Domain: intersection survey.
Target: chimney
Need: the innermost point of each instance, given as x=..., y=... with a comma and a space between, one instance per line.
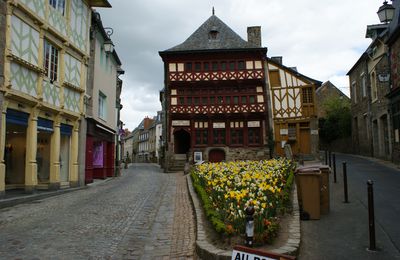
x=277, y=59
x=254, y=35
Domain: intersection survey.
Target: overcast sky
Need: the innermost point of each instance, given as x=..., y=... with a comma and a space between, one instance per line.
x=323, y=39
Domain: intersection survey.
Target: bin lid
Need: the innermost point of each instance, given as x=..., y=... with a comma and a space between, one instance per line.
x=307, y=170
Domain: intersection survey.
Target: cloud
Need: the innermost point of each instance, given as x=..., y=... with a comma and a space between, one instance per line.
x=323, y=39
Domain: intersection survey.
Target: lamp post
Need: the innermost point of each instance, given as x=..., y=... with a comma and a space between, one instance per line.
x=386, y=12
x=249, y=225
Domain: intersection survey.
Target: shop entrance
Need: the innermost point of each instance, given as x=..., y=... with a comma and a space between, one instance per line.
x=43, y=157
x=65, y=143
x=14, y=155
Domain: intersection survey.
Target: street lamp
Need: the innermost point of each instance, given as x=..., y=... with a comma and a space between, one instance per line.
x=108, y=46
x=386, y=12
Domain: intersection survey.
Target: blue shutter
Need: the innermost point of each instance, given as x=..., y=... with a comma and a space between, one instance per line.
x=45, y=125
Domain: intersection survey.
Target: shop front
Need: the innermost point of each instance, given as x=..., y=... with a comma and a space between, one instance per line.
x=100, y=152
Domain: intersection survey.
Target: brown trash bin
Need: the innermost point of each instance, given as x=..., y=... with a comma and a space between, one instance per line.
x=325, y=198
x=308, y=182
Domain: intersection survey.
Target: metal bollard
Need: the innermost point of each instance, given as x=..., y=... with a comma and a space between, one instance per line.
x=326, y=157
x=330, y=159
x=371, y=216
x=249, y=225
x=334, y=167
x=346, y=199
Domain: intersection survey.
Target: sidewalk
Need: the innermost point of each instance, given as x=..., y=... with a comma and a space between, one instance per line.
x=343, y=233
x=15, y=197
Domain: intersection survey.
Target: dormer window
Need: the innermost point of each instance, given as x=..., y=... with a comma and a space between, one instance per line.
x=213, y=34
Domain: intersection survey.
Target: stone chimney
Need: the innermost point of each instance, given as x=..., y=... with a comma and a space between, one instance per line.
x=277, y=59
x=254, y=35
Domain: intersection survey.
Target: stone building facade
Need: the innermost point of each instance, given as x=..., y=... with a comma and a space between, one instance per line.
x=326, y=91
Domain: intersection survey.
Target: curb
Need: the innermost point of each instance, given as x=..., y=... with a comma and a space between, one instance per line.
x=5, y=203
x=205, y=250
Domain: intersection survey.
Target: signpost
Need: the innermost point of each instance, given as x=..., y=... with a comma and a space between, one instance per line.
x=245, y=253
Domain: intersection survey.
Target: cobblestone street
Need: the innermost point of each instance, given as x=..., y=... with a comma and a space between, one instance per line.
x=144, y=214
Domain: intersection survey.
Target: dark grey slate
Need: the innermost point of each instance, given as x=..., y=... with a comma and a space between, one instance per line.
x=201, y=40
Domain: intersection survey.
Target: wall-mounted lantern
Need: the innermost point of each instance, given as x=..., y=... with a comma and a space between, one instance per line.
x=386, y=12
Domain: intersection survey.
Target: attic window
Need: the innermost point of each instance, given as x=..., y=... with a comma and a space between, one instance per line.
x=212, y=35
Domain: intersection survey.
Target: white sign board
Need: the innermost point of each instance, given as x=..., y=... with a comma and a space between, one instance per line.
x=284, y=131
x=245, y=253
x=314, y=132
x=180, y=123
x=198, y=156
x=239, y=255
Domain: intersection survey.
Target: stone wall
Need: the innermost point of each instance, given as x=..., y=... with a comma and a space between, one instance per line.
x=360, y=124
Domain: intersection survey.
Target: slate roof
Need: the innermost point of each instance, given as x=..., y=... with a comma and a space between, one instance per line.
x=200, y=40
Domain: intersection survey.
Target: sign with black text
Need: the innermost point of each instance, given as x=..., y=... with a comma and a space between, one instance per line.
x=245, y=253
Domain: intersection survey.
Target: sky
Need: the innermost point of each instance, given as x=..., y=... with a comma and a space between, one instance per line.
x=323, y=39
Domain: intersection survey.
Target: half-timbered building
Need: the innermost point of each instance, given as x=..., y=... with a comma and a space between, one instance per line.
x=214, y=99
x=294, y=109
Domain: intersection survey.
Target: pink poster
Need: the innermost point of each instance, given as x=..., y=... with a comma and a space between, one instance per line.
x=98, y=154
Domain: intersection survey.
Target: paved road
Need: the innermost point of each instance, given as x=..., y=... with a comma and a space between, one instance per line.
x=144, y=214
x=343, y=233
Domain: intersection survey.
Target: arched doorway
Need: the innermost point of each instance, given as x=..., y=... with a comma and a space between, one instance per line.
x=181, y=142
x=216, y=155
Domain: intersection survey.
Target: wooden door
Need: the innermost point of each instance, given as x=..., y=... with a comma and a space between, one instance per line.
x=305, y=141
x=216, y=156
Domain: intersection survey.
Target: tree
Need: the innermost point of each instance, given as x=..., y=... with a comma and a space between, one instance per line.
x=337, y=123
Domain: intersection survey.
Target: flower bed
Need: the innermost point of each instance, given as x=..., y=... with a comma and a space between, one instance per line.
x=226, y=189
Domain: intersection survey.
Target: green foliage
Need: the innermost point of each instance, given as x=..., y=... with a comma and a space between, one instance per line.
x=337, y=123
x=212, y=215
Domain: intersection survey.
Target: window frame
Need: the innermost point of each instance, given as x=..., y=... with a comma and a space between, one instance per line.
x=102, y=106
x=51, y=60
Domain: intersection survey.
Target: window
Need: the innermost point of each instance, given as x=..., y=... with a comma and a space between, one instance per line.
x=102, y=105
x=59, y=5
x=274, y=78
x=363, y=85
x=374, y=90
x=231, y=65
x=292, y=131
x=252, y=99
x=201, y=136
x=223, y=65
x=188, y=66
x=228, y=100
x=354, y=91
x=219, y=136
x=215, y=66
x=206, y=66
x=197, y=66
x=243, y=99
x=50, y=61
x=254, y=136
x=237, y=133
x=201, y=133
x=241, y=65
x=307, y=95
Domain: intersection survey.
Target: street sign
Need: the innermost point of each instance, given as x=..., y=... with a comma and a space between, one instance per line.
x=245, y=253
